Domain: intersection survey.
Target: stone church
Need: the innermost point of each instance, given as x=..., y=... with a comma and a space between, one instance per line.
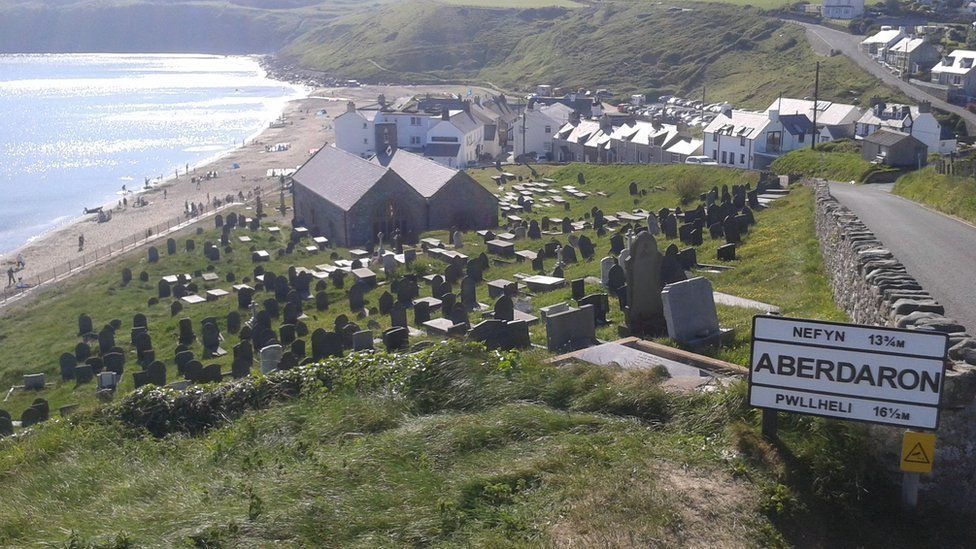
x=349, y=200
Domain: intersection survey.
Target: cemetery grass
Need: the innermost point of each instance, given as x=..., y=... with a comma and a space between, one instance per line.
x=779, y=264
x=949, y=194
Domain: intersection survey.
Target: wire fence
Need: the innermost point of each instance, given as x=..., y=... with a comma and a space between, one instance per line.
x=62, y=271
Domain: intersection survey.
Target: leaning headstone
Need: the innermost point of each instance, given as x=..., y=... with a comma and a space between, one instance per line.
x=726, y=252
x=689, y=308
x=605, y=265
x=153, y=254
x=586, y=248
x=398, y=316
x=396, y=339
x=362, y=340
x=84, y=373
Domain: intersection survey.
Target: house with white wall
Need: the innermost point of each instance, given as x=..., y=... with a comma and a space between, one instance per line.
x=957, y=71
x=834, y=120
x=652, y=142
x=750, y=140
x=877, y=44
x=842, y=9
x=456, y=140
x=915, y=120
x=533, y=130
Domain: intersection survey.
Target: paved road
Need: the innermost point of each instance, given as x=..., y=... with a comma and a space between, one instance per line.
x=824, y=38
x=937, y=250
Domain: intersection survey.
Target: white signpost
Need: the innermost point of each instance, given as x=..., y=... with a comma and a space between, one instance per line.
x=878, y=375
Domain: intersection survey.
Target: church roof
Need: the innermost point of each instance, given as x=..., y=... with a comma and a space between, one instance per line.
x=340, y=177
x=424, y=175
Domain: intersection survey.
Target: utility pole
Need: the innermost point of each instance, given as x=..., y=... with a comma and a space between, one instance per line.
x=701, y=111
x=816, y=98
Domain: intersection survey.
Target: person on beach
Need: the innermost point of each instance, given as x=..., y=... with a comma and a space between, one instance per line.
x=164, y=194
x=10, y=277
x=81, y=242
x=21, y=264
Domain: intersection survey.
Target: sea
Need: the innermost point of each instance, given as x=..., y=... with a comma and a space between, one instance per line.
x=75, y=128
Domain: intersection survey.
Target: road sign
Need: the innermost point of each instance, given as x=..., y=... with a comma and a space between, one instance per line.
x=917, y=452
x=847, y=371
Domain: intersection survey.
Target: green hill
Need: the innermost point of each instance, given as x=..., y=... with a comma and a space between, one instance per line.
x=738, y=53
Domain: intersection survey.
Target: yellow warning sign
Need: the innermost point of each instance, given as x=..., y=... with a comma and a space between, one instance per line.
x=917, y=452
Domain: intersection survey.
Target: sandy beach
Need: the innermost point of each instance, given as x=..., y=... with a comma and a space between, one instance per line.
x=304, y=129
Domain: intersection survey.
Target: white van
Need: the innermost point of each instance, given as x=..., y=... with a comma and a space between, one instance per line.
x=701, y=160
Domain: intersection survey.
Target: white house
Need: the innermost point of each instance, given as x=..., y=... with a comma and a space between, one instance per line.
x=913, y=120
x=912, y=55
x=834, y=120
x=957, y=71
x=456, y=139
x=569, y=143
x=367, y=132
x=752, y=140
x=877, y=44
x=534, y=128
x=842, y=9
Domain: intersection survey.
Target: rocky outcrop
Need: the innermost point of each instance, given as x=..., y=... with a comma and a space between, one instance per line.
x=873, y=287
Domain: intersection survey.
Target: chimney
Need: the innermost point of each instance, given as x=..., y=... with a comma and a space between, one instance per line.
x=574, y=118
x=466, y=106
x=879, y=108
x=351, y=106
x=381, y=99
x=683, y=129
x=606, y=125
x=773, y=115
x=924, y=107
x=445, y=113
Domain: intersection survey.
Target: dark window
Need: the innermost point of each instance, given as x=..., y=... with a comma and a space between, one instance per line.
x=724, y=158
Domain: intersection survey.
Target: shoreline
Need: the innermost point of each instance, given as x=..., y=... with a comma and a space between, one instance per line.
x=305, y=128
x=300, y=92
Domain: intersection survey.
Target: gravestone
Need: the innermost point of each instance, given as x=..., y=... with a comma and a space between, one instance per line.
x=210, y=337
x=233, y=322
x=600, y=304
x=114, y=362
x=398, y=315
x=652, y=225
x=67, y=363
x=570, y=330
x=186, y=331
x=85, y=325
x=153, y=254
x=469, y=297
x=616, y=244
x=534, y=231
x=605, y=265
x=504, y=309
x=385, y=303
x=126, y=275
x=106, y=339
x=731, y=229
x=84, y=373
x=645, y=312
x=156, y=373
x=567, y=254
x=578, y=286
x=671, y=269
x=586, y=248
x=170, y=246
x=356, y=297
x=325, y=344
x=689, y=308
x=396, y=339
x=287, y=333
x=421, y=312
x=164, y=290
x=726, y=252
x=298, y=348
x=244, y=297
x=362, y=340
x=270, y=357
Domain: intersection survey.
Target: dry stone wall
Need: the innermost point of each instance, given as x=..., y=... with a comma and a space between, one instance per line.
x=873, y=287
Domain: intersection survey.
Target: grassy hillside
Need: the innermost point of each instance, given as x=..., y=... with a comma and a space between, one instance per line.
x=953, y=195
x=836, y=161
x=627, y=47
x=453, y=447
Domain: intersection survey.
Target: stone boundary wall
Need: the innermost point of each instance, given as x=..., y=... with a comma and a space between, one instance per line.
x=873, y=287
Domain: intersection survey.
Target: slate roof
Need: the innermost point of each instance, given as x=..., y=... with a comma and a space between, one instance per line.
x=442, y=149
x=796, y=124
x=828, y=112
x=424, y=175
x=741, y=124
x=340, y=177
x=464, y=121
x=887, y=138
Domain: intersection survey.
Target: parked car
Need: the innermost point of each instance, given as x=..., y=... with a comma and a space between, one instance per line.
x=701, y=160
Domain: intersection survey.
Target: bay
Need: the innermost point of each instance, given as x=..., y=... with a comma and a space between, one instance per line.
x=75, y=128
